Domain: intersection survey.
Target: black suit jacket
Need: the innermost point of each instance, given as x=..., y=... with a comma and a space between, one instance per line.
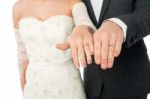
x=130, y=75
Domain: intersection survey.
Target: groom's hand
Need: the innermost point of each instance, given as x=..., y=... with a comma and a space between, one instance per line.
x=108, y=41
x=81, y=43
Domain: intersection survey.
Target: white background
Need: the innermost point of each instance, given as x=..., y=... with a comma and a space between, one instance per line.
x=9, y=76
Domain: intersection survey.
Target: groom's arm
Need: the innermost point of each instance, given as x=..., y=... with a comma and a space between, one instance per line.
x=138, y=22
x=108, y=39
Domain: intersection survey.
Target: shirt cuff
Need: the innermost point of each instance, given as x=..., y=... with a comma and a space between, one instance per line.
x=121, y=24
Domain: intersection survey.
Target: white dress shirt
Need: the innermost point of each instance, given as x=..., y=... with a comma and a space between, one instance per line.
x=97, y=7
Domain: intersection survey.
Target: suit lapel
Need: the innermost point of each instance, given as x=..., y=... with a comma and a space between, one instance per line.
x=92, y=14
x=91, y=11
x=104, y=9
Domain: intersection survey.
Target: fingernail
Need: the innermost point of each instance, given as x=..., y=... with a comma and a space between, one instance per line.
x=104, y=66
x=110, y=64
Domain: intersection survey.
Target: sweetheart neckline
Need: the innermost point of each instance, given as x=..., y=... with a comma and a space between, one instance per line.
x=44, y=20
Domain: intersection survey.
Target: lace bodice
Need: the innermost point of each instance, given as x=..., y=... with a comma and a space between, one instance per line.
x=40, y=38
x=35, y=35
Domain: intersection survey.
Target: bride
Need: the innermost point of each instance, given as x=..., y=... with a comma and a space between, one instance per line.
x=46, y=72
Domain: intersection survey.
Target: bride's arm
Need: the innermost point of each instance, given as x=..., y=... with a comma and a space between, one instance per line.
x=81, y=39
x=80, y=14
x=21, y=51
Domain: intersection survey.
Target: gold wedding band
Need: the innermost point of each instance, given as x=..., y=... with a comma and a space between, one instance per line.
x=86, y=44
x=111, y=45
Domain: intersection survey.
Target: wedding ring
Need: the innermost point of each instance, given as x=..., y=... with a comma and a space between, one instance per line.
x=111, y=45
x=86, y=44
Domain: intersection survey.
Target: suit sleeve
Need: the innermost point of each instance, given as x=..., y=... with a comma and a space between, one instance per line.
x=138, y=22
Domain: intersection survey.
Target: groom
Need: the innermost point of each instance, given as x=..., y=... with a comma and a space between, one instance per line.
x=121, y=67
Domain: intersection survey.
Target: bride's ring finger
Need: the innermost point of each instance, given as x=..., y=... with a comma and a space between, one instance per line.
x=88, y=53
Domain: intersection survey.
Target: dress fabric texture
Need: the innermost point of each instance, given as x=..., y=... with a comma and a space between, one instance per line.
x=51, y=73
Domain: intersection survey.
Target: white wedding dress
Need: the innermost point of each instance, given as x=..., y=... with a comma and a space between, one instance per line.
x=51, y=73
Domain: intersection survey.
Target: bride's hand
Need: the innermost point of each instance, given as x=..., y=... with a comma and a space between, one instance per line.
x=81, y=43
